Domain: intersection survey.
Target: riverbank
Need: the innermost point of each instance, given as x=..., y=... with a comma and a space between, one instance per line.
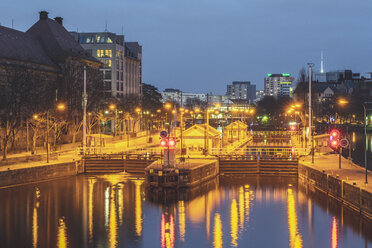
x=25, y=168
x=346, y=185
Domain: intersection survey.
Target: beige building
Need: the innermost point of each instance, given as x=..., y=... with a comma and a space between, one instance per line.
x=194, y=138
x=234, y=132
x=122, y=61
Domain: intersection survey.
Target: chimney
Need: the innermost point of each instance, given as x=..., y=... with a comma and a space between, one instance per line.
x=59, y=20
x=43, y=15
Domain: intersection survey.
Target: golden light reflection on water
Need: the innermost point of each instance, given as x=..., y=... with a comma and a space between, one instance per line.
x=334, y=233
x=35, y=225
x=90, y=207
x=295, y=239
x=120, y=202
x=181, y=220
x=138, y=212
x=241, y=207
x=208, y=210
x=217, y=242
x=107, y=206
x=234, y=223
x=247, y=199
x=62, y=233
x=167, y=232
x=113, y=220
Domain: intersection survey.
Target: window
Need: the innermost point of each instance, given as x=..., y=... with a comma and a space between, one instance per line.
x=117, y=75
x=108, y=63
x=108, y=53
x=87, y=40
x=109, y=40
x=117, y=86
x=100, y=53
x=122, y=87
x=121, y=76
x=107, y=75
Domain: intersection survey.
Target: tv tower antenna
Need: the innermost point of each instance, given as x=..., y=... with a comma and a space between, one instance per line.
x=321, y=62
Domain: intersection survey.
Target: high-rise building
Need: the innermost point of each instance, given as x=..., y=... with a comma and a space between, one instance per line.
x=242, y=90
x=278, y=84
x=122, y=61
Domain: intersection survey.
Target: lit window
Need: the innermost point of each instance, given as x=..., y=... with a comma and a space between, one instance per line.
x=100, y=53
x=108, y=53
x=109, y=40
x=108, y=63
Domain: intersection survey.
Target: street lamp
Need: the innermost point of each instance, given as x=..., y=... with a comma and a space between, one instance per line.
x=112, y=107
x=343, y=102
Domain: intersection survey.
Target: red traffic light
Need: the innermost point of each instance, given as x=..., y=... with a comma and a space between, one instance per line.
x=163, y=143
x=335, y=134
x=335, y=143
x=293, y=128
x=172, y=143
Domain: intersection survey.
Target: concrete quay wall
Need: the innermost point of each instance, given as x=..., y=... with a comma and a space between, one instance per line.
x=351, y=196
x=40, y=173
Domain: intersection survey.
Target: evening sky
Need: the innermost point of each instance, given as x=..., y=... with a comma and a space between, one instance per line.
x=202, y=45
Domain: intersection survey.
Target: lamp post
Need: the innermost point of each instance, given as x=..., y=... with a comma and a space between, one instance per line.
x=344, y=102
x=311, y=115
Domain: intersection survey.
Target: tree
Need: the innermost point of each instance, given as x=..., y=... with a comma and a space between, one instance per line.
x=151, y=98
x=195, y=102
x=22, y=92
x=71, y=91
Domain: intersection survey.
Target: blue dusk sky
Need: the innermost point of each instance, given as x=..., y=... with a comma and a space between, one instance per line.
x=202, y=45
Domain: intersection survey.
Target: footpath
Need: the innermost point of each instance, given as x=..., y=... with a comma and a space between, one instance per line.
x=65, y=162
x=347, y=185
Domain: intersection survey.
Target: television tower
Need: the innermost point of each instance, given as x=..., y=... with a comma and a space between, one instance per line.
x=321, y=62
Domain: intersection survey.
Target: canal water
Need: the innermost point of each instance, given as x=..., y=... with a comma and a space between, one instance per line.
x=118, y=211
x=357, y=142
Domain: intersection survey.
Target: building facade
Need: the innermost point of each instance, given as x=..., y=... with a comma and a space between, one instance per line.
x=242, y=90
x=122, y=61
x=179, y=97
x=278, y=84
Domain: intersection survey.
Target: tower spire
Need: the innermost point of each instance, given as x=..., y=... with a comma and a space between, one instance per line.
x=321, y=62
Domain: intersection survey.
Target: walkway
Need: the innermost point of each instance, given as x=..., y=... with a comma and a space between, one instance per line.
x=329, y=162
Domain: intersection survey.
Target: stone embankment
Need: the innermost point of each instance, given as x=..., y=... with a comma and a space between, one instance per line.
x=347, y=185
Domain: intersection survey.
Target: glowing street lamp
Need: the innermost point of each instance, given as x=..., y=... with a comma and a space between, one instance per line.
x=112, y=107
x=168, y=106
x=61, y=107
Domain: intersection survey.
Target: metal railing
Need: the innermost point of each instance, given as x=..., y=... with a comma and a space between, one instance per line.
x=264, y=151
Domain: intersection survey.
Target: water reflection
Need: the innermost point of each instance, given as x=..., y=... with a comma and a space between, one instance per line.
x=119, y=211
x=35, y=225
x=334, y=233
x=217, y=231
x=182, y=220
x=234, y=223
x=62, y=233
x=167, y=231
x=138, y=207
x=295, y=239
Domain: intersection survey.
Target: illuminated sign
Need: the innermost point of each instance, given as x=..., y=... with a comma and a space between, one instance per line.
x=286, y=74
x=269, y=75
x=285, y=82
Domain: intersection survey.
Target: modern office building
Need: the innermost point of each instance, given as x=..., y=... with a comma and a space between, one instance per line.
x=336, y=76
x=242, y=90
x=278, y=84
x=122, y=61
x=177, y=96
x=259, y=95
